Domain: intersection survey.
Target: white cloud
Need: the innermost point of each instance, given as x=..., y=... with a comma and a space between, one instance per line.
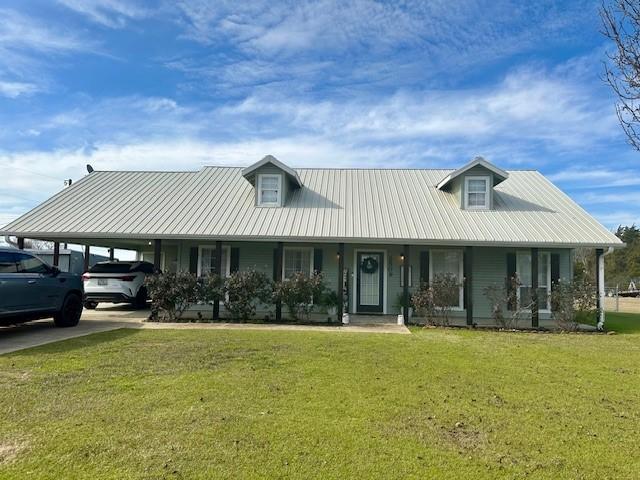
x=16, y=89
x=110, y=13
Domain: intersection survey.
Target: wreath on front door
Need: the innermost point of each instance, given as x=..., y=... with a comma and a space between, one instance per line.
x=369, y=265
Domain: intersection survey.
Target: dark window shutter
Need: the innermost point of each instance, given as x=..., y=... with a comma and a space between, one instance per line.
x=317, y=260
x=464, y=280
x=234, y=261
x=193, y=260
x=275, y=265
x=555, y=269
x=424, y=267
x=511, y=273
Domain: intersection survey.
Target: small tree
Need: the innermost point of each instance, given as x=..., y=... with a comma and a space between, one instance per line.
x=571, y=303
x=435, y=301
x=210, y=288
x=171, y=294
x=298, y=292
x=243, y=290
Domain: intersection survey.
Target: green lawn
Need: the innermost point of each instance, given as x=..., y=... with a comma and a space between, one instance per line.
x=249, y=404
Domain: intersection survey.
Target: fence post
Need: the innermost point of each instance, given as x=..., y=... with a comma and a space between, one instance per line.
x=617, y=297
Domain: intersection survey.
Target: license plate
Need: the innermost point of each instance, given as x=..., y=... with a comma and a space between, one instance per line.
x=103, y=281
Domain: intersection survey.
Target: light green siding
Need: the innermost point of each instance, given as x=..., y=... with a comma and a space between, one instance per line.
x=489, y=267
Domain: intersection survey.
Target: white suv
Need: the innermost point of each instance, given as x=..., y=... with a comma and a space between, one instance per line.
x=116, y=282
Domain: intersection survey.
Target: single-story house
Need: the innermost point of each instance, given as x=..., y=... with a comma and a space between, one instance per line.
x=375, y=234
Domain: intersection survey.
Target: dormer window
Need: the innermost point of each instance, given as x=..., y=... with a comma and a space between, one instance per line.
x=477, y=193
x=269, y=190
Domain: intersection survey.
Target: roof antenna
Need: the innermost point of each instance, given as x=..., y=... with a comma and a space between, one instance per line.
x=89, y=168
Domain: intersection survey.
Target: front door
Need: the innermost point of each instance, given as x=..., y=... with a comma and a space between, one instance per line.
x=370, y=283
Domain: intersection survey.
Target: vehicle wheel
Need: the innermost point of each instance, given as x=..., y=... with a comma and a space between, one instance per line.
x=141, y=298
x=69, y=315
x=90, y=305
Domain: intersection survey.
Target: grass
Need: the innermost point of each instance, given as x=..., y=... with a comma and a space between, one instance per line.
x=444, y=404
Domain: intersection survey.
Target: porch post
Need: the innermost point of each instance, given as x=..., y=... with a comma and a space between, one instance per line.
x=278, y=271
x=157, y=252
x=340, y=281
x=217, y=271
x=405, y=283
x=87, y=253
x=21, y=243
x=600, y=287
x=112, y=254
x=534, y=288
x=56, y=254
x=468, y=276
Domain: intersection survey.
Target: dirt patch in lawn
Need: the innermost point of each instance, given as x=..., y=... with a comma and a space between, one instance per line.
x=10, y=449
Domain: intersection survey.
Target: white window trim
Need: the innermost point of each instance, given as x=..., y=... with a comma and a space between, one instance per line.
x=225, y=268
x=402, y=276
x=460, y=306
x=278, y=202
x=548, y=286
x=309, y=250
x=487, y=192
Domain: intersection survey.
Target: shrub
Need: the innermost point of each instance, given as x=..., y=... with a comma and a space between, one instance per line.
x=243, y=290
x=298, y=292
x=210, y=289
x=571, y=301
x=435, y=301
x=171, y=294
x=330, y=300
x=506, y=297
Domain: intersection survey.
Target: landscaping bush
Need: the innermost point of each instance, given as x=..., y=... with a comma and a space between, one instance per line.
x=434, y=301
x=505, y=309
x=573, y=302
x=171, y=294
x=210, y=289
x=298, y=292
x=331, y=301
x=243, y=290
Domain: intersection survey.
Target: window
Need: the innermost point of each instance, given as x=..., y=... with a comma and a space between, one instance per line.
x=206, y=260
x=523, y=270
x=269, y=190
x=476, y=193
x=30, y=264
x=448, y=262
x=297, y=260
x=8, y=263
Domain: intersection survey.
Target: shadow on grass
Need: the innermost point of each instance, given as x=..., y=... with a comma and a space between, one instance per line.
x=622, y=322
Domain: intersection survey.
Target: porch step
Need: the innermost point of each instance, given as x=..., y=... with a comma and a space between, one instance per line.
x=359, y=319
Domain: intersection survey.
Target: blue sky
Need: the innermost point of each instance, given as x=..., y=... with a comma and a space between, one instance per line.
x=180, y=84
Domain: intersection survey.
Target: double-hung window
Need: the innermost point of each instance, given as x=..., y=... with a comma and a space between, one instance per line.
x=525, y=289
x=269, y=190
x=207, y=258
x=476, y=196
x=297, y=260
x=449, y=263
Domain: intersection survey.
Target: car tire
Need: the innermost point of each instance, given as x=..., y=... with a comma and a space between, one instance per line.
x=141, y=298
x=70, y=313
x=90, y=305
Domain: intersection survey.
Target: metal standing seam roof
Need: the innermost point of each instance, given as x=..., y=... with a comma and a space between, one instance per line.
x=352, y=205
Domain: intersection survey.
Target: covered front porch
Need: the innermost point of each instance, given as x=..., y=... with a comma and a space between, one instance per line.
x=370, y=280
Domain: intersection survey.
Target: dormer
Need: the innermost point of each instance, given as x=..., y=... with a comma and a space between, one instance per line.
x=473, y=184
x=272, y=181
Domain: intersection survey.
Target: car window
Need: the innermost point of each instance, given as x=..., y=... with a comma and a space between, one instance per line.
x=8, y=263
x=111, y=267
x=30, y=264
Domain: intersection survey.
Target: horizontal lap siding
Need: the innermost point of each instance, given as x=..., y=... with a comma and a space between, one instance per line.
x=490, y=268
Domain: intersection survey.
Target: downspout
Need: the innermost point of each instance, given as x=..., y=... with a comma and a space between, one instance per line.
x=600, y=273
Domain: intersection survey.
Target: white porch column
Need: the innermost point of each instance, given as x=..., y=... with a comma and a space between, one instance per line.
x=600, y=287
